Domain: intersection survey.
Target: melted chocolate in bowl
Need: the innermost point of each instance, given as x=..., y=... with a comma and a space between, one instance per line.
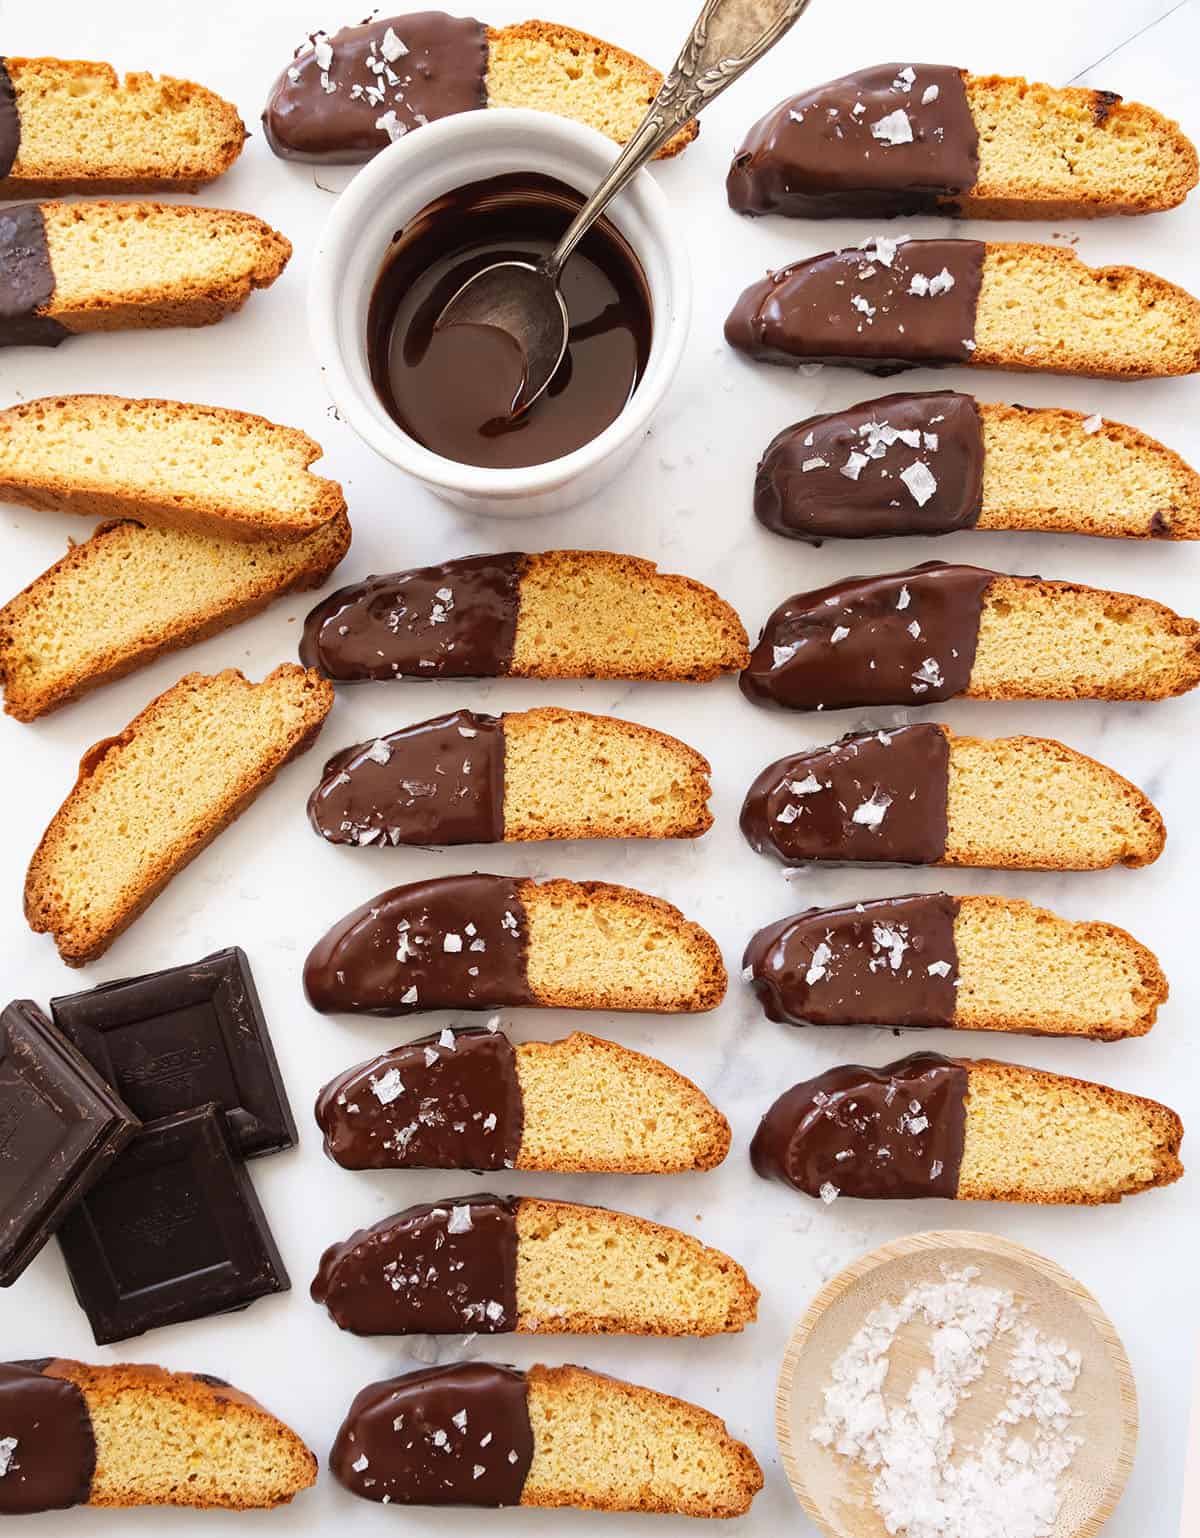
x=452, y=390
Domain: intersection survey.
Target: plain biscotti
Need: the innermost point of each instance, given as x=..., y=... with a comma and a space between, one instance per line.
x=150, y=799
x=69, y=125
x=128, y=594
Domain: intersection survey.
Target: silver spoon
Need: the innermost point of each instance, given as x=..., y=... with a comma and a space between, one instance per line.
x=523, y=299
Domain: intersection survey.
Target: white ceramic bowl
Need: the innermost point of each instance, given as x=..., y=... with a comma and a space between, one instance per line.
x=395, y=186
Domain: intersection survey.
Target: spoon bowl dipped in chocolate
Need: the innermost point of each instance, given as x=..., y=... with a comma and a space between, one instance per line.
x=516, y=307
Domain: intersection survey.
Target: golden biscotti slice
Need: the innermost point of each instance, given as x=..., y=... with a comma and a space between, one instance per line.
x=149, y=800
x=68, y=125
x=966, y=1129
x=481, y=1434
x=467, y=778
x=168, y=464
x=958, y=963
x=128, y=594
x=496, y=1264
x=467, y=1098
x=129, y=1434
x=104, y=266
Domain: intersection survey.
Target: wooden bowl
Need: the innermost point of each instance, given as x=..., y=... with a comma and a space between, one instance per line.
x=835, y=1491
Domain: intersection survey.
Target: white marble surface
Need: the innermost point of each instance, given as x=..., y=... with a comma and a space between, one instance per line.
x=269, y=886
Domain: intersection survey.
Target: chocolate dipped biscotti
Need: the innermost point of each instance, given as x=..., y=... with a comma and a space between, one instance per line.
x=928, y=138
x=558, y=614
x=935, y=631
x=960, y=963
x=478, y=1434
x=496, y=1264
x=938, y=461
x=469, y=1099
x=968, y=1129
x=132, y=1435
x=921, y=795
x=467, y=778
x=894, y=304
x=347, y=95
x=483, y=942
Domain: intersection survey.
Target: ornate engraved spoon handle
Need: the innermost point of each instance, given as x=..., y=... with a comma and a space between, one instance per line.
x=727, y=37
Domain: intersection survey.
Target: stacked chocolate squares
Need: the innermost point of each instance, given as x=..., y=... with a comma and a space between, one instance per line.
x=125, y=1125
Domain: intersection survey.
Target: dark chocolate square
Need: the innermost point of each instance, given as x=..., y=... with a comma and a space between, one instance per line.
x=61, y=1126
x=173, y=1232
x=177, y=1039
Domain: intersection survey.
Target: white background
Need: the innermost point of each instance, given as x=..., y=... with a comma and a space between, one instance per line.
x=269, y=886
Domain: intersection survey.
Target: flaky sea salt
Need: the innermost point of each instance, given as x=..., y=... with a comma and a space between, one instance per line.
x=387, y=1087
x=895, y=128
x=8, y=1446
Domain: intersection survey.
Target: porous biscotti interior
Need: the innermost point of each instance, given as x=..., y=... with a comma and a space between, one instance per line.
x=169, y=460
x=1037, y=1137
x=129, y=593
x=1026, y=969
x=1033, y=804
x=1040, y=307
x=1038, y=143
x=593, y=1105
x=614, y=1446
x=589, y=614
x=594, y=946
x=1046, y=470
x=150, y=799
x=570, y=775
x=80, y=122
x=1053, y=640
x=172, y=1439
x=586, y=1270
x=557, y=69
x=138, y=253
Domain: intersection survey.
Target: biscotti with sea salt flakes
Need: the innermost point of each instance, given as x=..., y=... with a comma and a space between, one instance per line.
x=892, y=304
x=150, y=799
x=69, y=268
x=70, y=125
x=129, y=594
x=938, y=461
x=556, y=614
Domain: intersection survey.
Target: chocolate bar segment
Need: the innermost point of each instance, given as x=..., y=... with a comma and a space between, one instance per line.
x=456, y=942
x=173, y=1040
x=449, y=1101
x=456, y=620
x=26, y=279
x=444, y=1436
x=894, y=1132
x=900, y=464
x=350, y=95
x=891, y=962
x=439, y=1268
x=173, y=1232
x=872, y=797
x=893, y=139
x=61, y=1126
x=438, y=782
x=883, y=307
x=47, y=1445
x=904, y=638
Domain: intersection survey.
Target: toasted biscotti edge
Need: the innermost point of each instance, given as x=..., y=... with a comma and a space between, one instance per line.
x=741, y=1293
x=731, y=1471
x=1179, y=519
x=78, y=946
x=320, y=553
x=709, y=976
x=618, y=62
x=178, y=510
x=1163, y=1129
x=104, y=1387
x=29, y=181
x=606, y=737
x=1152, y=990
